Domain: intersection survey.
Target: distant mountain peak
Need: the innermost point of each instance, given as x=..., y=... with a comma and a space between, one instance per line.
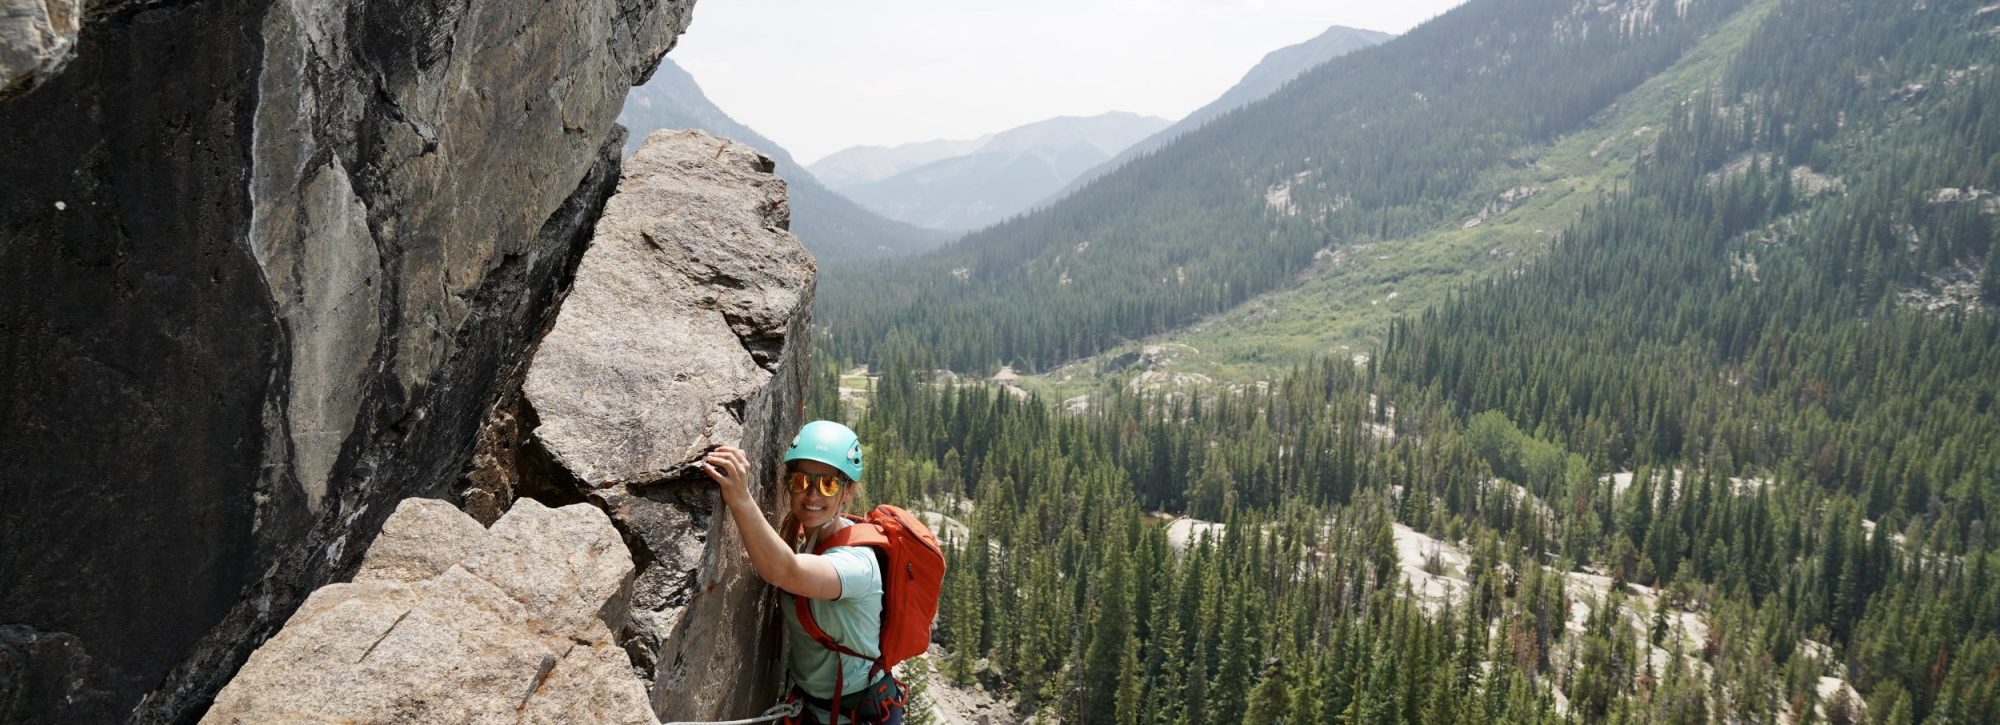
x=833, y=227
x=1003, y=175
x=862, y=164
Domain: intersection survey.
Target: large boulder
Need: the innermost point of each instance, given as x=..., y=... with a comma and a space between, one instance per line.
x=265, y=269
x=449, y=622
x=678, y=315
x=686, y=329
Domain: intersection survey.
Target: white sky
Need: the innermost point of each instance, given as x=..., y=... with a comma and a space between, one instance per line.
x=818, y=76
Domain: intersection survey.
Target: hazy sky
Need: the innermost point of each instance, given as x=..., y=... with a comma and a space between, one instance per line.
x=818, y=76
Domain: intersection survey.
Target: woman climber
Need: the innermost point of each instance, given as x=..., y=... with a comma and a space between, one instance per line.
x=831, y=567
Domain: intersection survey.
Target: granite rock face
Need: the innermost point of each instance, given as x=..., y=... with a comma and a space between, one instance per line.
x=678, y=315
x=265, y=270
x=687, y=328
x=509, y=627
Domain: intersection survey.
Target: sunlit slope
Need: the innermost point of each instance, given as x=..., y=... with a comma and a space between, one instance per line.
x=1383, y=144
x=1342, y=304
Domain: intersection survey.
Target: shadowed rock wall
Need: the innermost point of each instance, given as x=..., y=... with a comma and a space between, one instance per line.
x=265, y=268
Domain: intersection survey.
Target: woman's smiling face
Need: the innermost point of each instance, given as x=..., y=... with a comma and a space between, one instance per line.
x=809, y=507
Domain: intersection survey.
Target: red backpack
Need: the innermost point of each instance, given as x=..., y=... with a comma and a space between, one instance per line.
x=912, y=580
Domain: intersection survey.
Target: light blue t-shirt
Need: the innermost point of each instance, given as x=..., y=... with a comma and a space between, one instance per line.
x=854, y=620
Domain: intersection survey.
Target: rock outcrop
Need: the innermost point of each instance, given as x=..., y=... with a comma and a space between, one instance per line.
x=679, y=314
x=686, y=329
x=265, y=270
x=449, y=622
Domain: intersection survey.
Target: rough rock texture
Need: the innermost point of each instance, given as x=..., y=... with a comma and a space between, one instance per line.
x=449, y=622
x=265, y=269
x=678, y=314
x=61, y=672
x=687, y=328
x=36, y=38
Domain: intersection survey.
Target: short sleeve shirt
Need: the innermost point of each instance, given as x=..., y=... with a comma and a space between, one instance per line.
x=854, y=620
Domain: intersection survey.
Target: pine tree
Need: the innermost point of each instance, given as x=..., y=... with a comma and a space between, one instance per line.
x=1238, y=656
x=1131, y=699
x=1989, y=275
x=917, y=702
x=962, y=619
x=1104, y=660
x=1270, y=700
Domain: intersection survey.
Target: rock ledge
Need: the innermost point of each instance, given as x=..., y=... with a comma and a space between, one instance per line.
x=449, y=622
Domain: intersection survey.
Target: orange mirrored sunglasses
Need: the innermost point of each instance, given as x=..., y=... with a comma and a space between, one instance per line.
x=829, y=483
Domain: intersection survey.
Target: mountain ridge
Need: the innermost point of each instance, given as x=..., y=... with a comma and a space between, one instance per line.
x=833, y=227
x=1271, y=73
x=1006, y=175
x=1340, y=305
x=1379, y=144
x=862, y=164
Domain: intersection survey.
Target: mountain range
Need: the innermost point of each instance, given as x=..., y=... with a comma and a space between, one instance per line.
x=834, y=228
x=1005, y=175
x=856, y=165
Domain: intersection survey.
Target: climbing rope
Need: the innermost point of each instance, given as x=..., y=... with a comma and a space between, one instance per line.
x=779, y=711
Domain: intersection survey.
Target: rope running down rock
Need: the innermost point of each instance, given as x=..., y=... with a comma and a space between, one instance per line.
x=777, y=712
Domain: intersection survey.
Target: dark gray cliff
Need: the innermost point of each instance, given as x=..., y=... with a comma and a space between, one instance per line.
x=265, y=270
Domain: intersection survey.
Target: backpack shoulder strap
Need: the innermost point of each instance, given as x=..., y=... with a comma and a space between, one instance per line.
x=862, y=533
x=802, y=607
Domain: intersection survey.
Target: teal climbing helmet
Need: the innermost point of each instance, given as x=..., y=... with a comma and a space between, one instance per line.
x=830, y=443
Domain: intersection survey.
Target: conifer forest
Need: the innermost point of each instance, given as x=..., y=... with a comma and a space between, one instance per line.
x=1721, y=451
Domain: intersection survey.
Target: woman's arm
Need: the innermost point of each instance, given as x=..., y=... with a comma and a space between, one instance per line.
x=806, y=575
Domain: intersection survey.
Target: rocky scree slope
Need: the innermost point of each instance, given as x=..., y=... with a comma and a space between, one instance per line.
x=266, y=270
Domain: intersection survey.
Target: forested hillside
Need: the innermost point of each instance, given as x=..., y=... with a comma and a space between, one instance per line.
x=1797, y=290
x=1378, y=144
x=1272, y=72
x=1722, y=453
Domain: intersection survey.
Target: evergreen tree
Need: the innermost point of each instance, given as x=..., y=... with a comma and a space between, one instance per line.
x=1270, y=701
x=1105, y=660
